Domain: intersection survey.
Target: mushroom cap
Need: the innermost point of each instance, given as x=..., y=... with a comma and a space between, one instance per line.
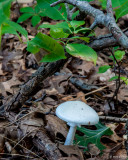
x=77, y=112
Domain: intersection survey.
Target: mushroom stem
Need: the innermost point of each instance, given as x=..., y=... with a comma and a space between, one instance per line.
x=70, y=136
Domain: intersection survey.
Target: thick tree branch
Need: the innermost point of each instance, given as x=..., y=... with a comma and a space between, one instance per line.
x=105, y=41
x=100, y=18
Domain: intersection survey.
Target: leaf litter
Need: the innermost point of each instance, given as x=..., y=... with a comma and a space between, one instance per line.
x=17, y=66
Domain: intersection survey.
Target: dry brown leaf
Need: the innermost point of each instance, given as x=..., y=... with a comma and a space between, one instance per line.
x=56, y=125
x=30, y=124
x=8, y=85
x=71, y=150
x=81, y=97
x=82, y=67
x=114, y=137
x=67, y=98
x=57, y=82
x=50, y=101
x=93, y=149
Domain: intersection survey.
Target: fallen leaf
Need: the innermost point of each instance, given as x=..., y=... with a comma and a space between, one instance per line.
x=70, y=151
x=56, y=125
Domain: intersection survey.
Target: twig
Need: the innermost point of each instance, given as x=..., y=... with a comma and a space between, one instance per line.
x=18, y=155
x=118, y=83
x=100, y=89
x=115, y=119
x=21, y=146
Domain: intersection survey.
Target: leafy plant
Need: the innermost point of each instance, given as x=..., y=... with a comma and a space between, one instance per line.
x=92, y=136
x=42, y=9
x=6, y=25
x=54, y=49
x=118, y=56
x=61, y=32
x=36, y=14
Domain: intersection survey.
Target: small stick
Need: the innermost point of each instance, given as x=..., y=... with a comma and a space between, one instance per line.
x=115, y=119
x=99, y=89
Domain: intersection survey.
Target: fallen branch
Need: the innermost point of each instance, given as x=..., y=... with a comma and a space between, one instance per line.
x=105, y=41
x=82, y=85
x=43, y=143
x=100, y=18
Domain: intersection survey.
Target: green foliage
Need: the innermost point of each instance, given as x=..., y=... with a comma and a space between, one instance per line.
x=118, y=55
x=121, y=7
x=64, y=29
x=116, y=3
x=29, y=12
x=92, y=136
x=113, y=78
x=82, y=51
x=104, y=68
x=58, y=33
x=59, y=30
x=52, y=12
x=124, y=79
x=6, y=25
x=54, y=49
x=122, y=10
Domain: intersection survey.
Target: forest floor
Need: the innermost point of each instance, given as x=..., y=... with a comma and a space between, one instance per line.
x=77, y=80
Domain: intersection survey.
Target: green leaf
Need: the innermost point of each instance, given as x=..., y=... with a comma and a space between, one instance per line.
x=31, y=47
x=4, y=10
x=92, y=136
x=75, y=14
x=82, y=51
x=39, y=11
x=8, y=29
x=76, y=24
x=118, y=55
x=52, y=12
x=116, y=3
x=83, y=30
x=104, y=68
x=17, y=27
x=123, y=10
x=5, y=7
x=24, y=17
x=35, y=20
x=63, y=25
x=58, y=33
x=113, y=78
x=86, y=39
x=54, y=49
x=27, y=9
x=125, y=80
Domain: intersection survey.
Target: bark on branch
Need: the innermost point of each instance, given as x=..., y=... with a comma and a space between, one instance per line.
x=105, y=41
x=100, y=18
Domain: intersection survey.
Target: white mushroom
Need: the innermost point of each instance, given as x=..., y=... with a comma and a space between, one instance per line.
x=76, y=113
